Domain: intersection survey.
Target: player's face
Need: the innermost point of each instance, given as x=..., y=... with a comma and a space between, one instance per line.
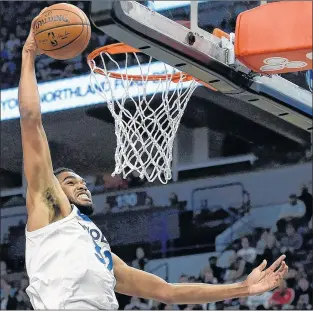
x=76, y=191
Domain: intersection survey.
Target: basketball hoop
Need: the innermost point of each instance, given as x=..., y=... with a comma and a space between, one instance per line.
x=145, y=131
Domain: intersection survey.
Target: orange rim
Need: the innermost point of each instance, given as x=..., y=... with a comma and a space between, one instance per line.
x=120, y=48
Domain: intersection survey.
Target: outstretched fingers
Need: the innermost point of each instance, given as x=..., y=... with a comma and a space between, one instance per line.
x=282, y=271
x=277, y=263
x=275, y=278
x=262, y=266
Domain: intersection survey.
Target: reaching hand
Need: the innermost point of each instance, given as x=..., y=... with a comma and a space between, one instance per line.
x=30, y=43
x=260, y=280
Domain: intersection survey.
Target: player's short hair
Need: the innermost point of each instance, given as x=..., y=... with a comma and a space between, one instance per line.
x=60, y=170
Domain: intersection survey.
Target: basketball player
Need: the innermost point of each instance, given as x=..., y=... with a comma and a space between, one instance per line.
x=69, y=261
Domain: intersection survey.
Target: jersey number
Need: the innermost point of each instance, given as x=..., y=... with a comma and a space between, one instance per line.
x=103, y=257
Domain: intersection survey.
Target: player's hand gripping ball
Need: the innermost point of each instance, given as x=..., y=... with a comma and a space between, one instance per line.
x=62, y=31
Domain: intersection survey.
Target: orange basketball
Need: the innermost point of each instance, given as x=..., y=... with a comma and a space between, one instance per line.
x=62, y=31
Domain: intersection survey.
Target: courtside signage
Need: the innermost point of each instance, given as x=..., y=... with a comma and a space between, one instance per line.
x=78, y=92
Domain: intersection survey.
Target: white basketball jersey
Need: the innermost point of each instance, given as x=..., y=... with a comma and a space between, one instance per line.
x=69, y=264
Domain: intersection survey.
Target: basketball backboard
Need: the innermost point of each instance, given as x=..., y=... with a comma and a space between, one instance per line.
x=179, y=34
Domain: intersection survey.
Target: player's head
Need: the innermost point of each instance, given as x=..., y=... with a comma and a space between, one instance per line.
x=75, y=189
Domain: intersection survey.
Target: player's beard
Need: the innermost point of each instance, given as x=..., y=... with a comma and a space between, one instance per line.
x=86, y=209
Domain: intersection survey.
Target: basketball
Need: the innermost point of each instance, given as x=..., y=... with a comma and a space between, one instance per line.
x=62, y=31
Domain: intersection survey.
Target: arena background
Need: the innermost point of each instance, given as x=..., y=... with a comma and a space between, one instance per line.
x=232, y=201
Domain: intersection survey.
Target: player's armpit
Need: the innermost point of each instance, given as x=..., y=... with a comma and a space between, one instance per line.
x=37, y=218
x=44, y=207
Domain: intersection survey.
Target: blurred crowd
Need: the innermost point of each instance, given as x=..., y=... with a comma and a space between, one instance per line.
x=14, y=35
x=291, y=235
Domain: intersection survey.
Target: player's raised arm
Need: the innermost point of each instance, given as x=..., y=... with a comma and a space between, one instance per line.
x=133, y=282
x=45, y=198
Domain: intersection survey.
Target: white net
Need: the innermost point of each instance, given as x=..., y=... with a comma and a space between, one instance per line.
x=147, y=113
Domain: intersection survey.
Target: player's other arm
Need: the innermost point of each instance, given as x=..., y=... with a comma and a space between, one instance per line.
x=133, y=282
x=45, y=198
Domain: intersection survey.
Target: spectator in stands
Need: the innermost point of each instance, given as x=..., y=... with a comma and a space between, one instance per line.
x=12, y=301
x=3, y=269
x=4, y=53
x=301, y=271
x=13, y=43
x=21, y=34
x=22, y=297
x=266, y=246
x=68, y=71
x=253, y=302
x=218, y=272
x=5, y=287
x=247, y=252
x=294, y=208
x=307, y=199
x=292, y=276
x=9, y=67
x=245, y=208
x=4, y=34
x=5, y=290
x=43, y=72
x=136, y=304
x=282, y=295
x=235, y=270
x=76, y=62
x=141, y=260
x=292, y=241
x=267, y=240
x=303, y=295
